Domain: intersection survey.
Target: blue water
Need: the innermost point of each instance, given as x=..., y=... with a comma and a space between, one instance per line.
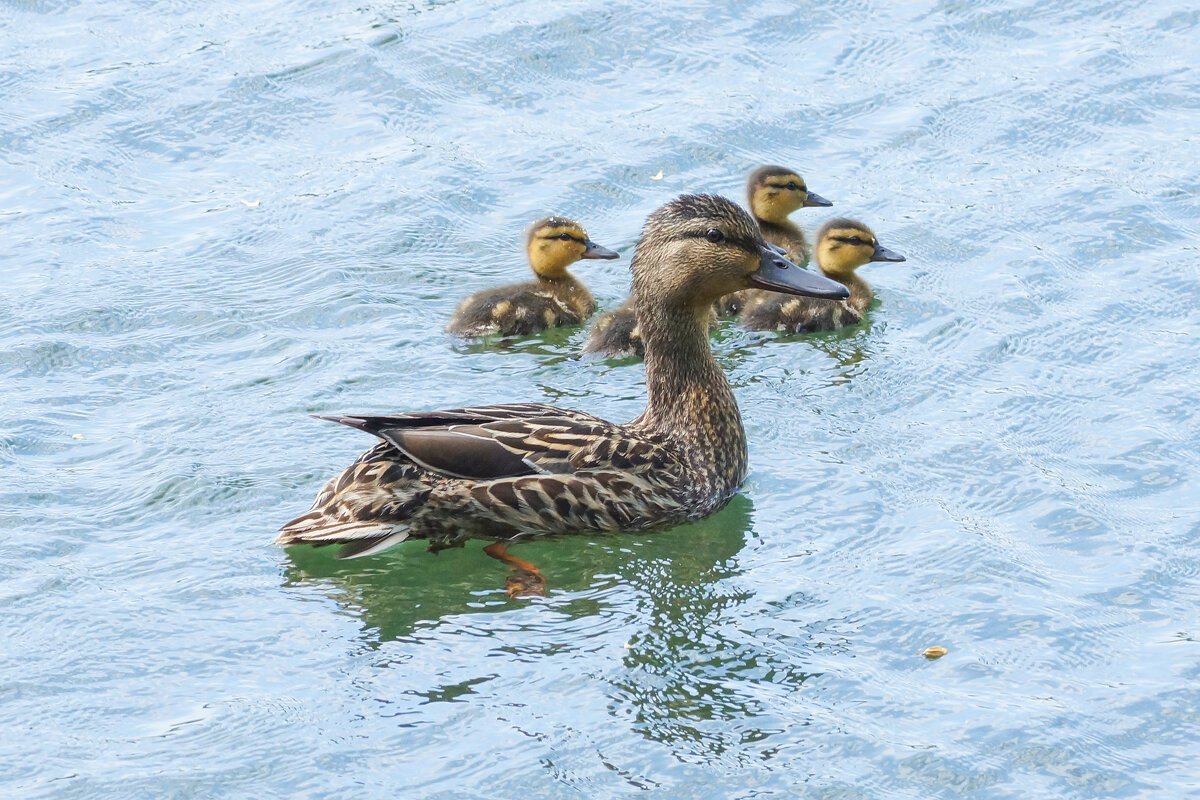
x=218, y=218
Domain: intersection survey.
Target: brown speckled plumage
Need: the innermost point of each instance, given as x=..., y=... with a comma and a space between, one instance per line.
x=513, y=470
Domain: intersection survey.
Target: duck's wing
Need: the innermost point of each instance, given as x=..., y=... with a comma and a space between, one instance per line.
x=493, y=442
x=475, y=415
x=589, y=500
x=527, y=467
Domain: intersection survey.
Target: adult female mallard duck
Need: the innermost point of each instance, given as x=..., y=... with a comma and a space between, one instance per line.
x=507, y=471
x=773, y=194
x=555, y=298
x=843, y=245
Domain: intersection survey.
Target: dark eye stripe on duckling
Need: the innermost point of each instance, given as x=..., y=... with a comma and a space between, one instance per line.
x=794, y=186
x=854, y=240
x=560, y=230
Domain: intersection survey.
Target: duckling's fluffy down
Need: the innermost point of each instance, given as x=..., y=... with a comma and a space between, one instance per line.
x=616, y=334
x=770, y=311
x=522, y=309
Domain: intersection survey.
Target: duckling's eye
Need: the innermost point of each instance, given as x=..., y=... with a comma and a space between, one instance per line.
x=792, y=186
x=715, y=236
x=855, y=240
x=566, y=237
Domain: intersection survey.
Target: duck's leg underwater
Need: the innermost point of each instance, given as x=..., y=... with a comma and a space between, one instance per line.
x=525, y=580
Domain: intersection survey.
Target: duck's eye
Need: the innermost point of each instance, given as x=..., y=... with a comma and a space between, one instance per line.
x=792, y=186
x=566, y=237
x=715, y=236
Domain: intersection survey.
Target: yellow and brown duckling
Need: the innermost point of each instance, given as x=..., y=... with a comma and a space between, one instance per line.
x=506, y=471
x=843, y=245
x=616, y=333
x=774, y=193
x=555, y=298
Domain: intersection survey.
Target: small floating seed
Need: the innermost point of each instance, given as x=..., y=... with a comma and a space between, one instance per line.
x=934, y=652
x=658, y=177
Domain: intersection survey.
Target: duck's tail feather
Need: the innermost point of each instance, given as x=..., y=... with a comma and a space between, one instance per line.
x=367, y=508
x=369, y=547
x=317, y=527
x=358, y=538
x=363, y=530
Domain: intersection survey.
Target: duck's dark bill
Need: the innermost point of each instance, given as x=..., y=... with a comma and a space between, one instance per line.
x=883, y=254
x=780, y=275
x=815, y=199
x=593, y=250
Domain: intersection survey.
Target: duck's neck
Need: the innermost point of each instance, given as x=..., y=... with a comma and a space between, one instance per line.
x=788, y=235
x=570, y=289
x=861, y=294
x=690, y=400
x=560, y=277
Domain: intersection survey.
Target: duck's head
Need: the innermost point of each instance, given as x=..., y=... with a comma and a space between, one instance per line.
x=774, y=192
x=844, y=245
x=700, y=247
x=555, y=243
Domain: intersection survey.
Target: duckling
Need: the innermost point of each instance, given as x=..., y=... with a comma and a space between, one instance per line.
x=616, y=333
x=843, y=245
x=773, y=194
x=556, y=298
x=505, y=471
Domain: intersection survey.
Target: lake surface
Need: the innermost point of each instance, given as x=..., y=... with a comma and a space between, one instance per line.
x=218, y=218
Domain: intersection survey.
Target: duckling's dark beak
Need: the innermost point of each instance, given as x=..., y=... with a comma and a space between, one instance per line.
x=780, y=275
x=593, y=250
x=883, y=254
x=815, y=199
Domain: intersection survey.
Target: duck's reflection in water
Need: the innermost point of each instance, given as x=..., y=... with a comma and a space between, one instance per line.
x=406, y=587
x=684, y=671
x=694, y=678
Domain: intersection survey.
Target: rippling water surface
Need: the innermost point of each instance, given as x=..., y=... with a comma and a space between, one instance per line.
x=216, y=219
